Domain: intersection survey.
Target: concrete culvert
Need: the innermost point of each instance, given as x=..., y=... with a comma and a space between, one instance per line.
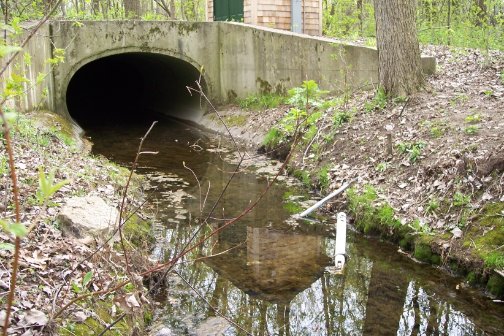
x=131, y=87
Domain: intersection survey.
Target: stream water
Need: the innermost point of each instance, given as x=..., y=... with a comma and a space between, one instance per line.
x=266, y=272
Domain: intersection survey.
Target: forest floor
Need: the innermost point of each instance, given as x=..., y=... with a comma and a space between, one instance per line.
x=55, y=268
x=433, y=163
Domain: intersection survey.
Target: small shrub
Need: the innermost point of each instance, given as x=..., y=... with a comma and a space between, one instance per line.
x=381, y=167
x=379, y=101
x=414, y=149
x=471, y=130
x=473, y=118
x=341, y=117
x=323, y=177
x=432, y=206
x=460, y=199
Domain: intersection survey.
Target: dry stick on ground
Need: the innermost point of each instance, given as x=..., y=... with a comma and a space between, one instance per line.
x=15, y=189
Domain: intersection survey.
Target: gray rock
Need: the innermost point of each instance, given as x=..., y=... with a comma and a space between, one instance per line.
x=212, y=326
x=82, y=217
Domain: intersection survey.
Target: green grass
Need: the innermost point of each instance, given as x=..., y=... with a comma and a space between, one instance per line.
x=261, y=102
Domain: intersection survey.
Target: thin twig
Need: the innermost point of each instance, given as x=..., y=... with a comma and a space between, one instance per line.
x=112, y=324
x=123, y=201
x=210, y=305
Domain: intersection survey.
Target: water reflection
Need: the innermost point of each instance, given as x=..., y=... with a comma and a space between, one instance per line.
x=268, y=277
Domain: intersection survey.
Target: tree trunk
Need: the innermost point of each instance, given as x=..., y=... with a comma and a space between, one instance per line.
x=399, y=67
x=132, y=8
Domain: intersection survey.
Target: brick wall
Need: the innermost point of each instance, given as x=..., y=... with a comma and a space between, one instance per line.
x=277, y=14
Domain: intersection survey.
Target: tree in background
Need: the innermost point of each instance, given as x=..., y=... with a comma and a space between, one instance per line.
x=400, y=71
x=132, y=8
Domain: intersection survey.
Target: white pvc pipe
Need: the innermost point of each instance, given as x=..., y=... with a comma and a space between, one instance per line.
x=340, y=248
x=325, y=199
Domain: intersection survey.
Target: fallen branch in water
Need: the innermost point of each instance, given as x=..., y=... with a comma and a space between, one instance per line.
x=325, y=199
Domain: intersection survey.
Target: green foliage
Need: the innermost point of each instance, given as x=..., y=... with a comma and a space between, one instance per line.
x=460, y=199
x=420, y=227
x=379, y=101
x=303, y=117
x=414, y=150
x=495, y=285
x=381, y=167
x=16, y=229
x=345, y=19
x=8, y=49
x=495, y=260
x=432, y=206
x=138, y=232
x=303, y=176
x=273, y=138
x=307, y=95
x=47, y=187
x=341, y=117
x=261, y=102
x=471, y=130
x=323, y=177
x=473, y=118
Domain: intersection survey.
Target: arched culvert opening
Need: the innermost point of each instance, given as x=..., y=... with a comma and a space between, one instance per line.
x=133, y=86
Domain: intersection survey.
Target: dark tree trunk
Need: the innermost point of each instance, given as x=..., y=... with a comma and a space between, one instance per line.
x=132, y=8
x=399, y=64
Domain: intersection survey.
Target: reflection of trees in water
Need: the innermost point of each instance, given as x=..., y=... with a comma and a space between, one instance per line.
x=371, y=298
x=424, y=314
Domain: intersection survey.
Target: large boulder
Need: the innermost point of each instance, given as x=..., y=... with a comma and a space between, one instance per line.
x=82, y=217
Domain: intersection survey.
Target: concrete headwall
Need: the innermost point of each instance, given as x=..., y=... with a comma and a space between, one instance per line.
x=32, y=64
x=237, y=59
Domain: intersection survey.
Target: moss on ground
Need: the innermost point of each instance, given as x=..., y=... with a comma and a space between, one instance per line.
x=138, y=232
x=102, y=317
x=485, y=235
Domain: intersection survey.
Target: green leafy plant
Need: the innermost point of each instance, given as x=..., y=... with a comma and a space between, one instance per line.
x=323, y=177
x=471, y=130
x=47, y=187
x=379, y=101
x=82, y=287
x=432, y=206
x=473, y=118
x=413, y=149
x=460, y=199
x=341, y=117
x=381, y=167
x=420, y=227
x=307, y=95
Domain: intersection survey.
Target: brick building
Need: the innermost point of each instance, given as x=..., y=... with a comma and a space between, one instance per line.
x=300, y=16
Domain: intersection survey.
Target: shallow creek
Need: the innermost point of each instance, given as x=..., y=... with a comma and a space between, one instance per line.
x=266, y=272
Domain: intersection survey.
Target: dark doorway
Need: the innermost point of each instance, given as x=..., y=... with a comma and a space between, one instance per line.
x=228, y=10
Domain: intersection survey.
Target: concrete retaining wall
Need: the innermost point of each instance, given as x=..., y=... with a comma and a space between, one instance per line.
x=237, y=59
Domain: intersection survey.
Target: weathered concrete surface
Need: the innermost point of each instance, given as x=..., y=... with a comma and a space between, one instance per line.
x=38, y=90
x=237, y=59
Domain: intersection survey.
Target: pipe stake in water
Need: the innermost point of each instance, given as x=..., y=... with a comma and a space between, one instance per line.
x=340, y=247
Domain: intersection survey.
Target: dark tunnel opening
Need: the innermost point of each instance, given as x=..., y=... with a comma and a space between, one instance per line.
x=133, y=86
